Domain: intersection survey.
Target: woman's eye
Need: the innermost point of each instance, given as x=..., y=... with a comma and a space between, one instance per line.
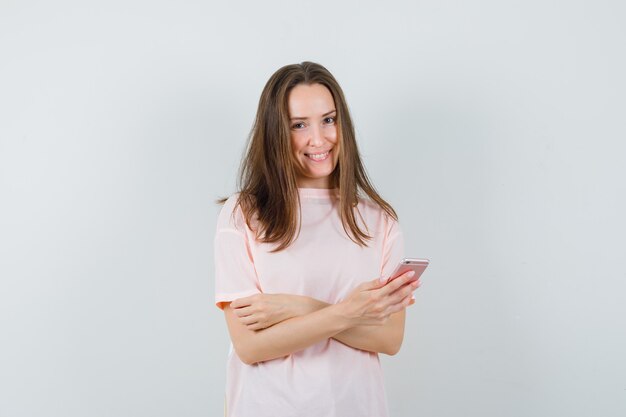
x=298, y=126
x=330, y=120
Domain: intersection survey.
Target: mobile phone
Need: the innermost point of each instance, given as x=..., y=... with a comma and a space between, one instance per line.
x=410, y=264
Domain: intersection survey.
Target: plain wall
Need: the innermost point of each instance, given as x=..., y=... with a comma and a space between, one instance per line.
x=495, y=128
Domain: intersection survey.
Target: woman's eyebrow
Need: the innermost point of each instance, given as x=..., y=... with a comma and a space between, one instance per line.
x=304, y=118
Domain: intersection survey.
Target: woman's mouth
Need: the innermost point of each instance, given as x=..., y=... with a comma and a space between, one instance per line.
x=318, y=157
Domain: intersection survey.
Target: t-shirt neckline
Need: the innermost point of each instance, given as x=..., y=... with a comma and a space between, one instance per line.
x=318, y=192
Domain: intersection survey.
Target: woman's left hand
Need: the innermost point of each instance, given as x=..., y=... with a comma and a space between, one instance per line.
x=260, y=311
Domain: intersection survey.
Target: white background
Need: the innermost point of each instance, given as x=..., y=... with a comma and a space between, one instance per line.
x=495, y=128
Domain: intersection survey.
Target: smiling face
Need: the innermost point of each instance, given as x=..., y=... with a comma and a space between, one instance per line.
x=314, y=136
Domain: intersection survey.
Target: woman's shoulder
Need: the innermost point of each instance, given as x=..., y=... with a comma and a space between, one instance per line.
x=377, y=220
x=374, y=210
x=231, y=215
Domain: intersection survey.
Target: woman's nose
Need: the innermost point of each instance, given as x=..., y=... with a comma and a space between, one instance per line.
x=317, y=136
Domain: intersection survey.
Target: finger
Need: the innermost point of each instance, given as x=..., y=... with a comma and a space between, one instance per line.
x=401, y=305
x=243, y=311
x=255, y=326
x=248, y=320
x=373, y=284
x=413, y=285
x=405, y=291
x=406, y=301
x=409, y=284
x=396, y=283
x=399, y=295
x=241, y=302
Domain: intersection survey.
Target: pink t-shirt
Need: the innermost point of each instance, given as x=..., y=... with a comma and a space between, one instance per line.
x=327, y=378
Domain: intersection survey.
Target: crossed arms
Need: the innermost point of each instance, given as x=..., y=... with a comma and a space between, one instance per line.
x=371, y=318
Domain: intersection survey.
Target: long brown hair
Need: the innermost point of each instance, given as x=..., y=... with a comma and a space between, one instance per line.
x=267, y=180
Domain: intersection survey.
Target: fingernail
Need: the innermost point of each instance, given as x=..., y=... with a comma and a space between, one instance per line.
x=382, y=279
x=411, y=273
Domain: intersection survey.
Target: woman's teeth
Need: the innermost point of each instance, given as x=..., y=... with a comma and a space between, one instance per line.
x=318, y=156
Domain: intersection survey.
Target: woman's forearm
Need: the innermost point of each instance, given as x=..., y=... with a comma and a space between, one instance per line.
x=288, y=336
x=383, y=339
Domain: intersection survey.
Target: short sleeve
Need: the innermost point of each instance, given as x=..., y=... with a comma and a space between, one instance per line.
x=393, y=246
x=235, y=273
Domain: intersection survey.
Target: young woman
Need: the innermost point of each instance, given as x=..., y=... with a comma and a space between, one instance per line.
x=299, y=251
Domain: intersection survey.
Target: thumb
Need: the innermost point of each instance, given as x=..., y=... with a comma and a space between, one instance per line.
x=376, y=283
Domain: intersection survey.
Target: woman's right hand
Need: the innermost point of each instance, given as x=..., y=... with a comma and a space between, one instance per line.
x=372, y=302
